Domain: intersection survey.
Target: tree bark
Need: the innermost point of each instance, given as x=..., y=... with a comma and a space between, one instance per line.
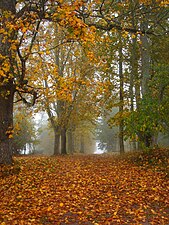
x=7, y=88
x=56, y=142
x=82, y=150
x=6, y=124
x=63, y=141
x=133, y=78
x=70, y=142
x=145, y=59
x=121, y=77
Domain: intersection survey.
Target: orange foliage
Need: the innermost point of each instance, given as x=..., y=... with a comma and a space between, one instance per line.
x=82, y=190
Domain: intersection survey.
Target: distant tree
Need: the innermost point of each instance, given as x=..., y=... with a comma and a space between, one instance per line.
x=68, y=90
x=106, y=135
x=24, y=136
x=84, y=138
x=45, y=134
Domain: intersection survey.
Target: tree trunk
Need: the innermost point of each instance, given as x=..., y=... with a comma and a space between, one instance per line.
x=70, y=142
x=133, y=78
x=56, y=143
x=7, y=88
x=145, y=59
x=63, y=141
x=82, y=150
x=121, y=126
x=6, y=124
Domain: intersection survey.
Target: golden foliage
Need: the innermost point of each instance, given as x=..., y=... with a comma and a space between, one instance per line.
x=83, y=189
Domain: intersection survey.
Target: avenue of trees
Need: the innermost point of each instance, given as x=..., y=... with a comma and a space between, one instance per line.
x=80, y=60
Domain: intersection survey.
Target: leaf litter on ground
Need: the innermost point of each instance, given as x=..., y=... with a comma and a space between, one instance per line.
x=91, y=189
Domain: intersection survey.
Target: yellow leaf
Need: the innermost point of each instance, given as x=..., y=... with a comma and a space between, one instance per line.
x=133, y=35
x=156, y=198
x=153, y=211
x=24, y=29
x=154, y=189
x=10, y=136
x=115, y=213
x=49, y=208
x=109, y=194
x=61, y=204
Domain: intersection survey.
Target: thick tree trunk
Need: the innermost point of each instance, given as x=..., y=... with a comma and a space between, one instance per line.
x=57, y=143
x=70, y=142
x=63, y=141
x=7, y=60
x=145, y=58
x=6, y=124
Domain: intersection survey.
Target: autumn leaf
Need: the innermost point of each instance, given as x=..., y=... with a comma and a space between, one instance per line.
x=10, y=136
x=83, y=189
x=61, y=204
x=49, y=208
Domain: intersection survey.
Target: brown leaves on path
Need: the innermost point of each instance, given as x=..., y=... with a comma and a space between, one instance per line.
x=83, y=190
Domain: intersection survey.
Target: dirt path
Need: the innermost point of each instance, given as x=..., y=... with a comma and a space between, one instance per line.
x=83, y=190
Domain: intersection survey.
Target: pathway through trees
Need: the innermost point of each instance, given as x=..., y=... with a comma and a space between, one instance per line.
x=94, y=189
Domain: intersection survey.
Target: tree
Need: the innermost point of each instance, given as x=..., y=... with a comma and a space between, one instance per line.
x=45, y=134
x=6, y=81
x=20, y=24
x=107, y=136
x=24, y=136
x=147, y=119
x=17, y=26
x=121, y=96
x=137, y=21
x=72, y=97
